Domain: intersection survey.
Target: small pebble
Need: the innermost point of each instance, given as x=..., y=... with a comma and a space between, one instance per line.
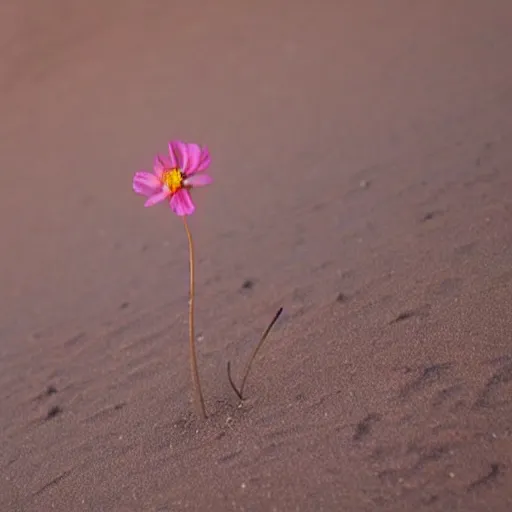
x=248, y=284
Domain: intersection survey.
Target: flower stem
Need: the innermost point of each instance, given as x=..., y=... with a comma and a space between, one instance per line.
x=192, y=345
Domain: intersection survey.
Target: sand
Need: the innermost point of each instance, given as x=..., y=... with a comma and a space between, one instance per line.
x=363, y=181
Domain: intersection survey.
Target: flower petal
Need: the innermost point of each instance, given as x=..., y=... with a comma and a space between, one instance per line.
x=178, y=154
x=146, y=183
x=198, y=180
x=194, y=158
x=205, y=160
x=181, y=203
x=157, y=198
x=161, y=164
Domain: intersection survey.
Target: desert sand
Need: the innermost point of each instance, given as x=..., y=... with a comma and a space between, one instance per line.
x=362, y=157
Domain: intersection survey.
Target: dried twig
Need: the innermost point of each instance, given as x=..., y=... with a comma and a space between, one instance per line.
x=253, y=355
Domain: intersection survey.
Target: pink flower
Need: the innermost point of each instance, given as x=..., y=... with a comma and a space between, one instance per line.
x=174, y=176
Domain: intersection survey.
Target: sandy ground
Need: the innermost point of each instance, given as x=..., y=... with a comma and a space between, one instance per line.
x=363, y=180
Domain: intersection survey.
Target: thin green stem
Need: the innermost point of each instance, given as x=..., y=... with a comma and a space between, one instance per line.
x=192, y=343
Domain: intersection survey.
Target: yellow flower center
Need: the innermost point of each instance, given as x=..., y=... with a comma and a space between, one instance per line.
x=173, y=179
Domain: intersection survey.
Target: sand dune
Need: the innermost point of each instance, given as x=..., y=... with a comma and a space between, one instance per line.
x=362, y=165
